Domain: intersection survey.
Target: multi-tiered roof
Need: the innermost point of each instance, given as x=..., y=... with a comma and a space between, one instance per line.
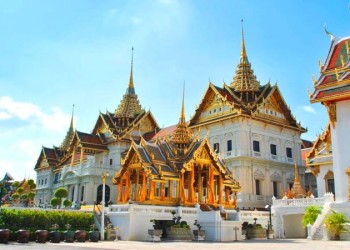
x=334, y=82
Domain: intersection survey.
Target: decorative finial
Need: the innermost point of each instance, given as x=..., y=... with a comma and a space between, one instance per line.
x=314, y=79
x=71, y=121
x=182, y=115
x=131, y=89
x=243, y=51
x=327, y=32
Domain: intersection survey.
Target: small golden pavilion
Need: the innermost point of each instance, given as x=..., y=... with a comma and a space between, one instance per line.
x=175, y=170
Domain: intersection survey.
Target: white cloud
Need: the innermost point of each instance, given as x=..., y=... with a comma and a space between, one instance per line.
x=55, y=121
x=309, y=109
x=25, y=128
x=4, y=115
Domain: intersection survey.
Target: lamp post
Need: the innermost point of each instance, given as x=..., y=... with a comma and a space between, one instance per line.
x=269, y=228
x=104, y=177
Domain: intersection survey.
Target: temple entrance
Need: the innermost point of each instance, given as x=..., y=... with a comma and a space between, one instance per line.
x=293, y=227
x=99, y=194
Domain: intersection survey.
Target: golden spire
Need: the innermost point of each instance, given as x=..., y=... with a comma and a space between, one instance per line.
x=70, y=133
x=129, y=106
x=182, y=114
x=243, y=51
x=182, y=134
x=244, y=79
x=297, y=190
x=131, y=89
x=71, y=121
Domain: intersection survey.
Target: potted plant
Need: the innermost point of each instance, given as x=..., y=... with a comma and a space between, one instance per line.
x=80, y=235
x=335, y=223
x=55, y=234
x=41, y=236
x=156, y=232
x=198, y=234
x=94, y=234
x=4, y=235
x=23, y=236
x=68, y=234
x=177, y=229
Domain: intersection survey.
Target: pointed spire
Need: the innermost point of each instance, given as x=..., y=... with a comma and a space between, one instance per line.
x=296, y=172
x=182, y=134
x=244, y=57
x=182, y=115
x=297, y=189
x=70, y=133
x=129, y=106
x=244, y=79
x=131, y=88
x=71, y=127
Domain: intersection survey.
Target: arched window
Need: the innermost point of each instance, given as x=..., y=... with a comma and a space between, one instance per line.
x=329, y=182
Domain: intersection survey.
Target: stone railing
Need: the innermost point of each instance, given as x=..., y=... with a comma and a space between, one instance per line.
x=304, y=202
x=138, y=209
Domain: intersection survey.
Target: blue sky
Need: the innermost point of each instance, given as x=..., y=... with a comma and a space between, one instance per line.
x=54, y=54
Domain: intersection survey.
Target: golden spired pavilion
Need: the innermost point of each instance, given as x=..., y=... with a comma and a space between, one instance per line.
x=175, y=170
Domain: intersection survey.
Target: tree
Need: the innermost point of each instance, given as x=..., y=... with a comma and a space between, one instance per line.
x=24, y=191
x=55, y=202
x=310, y=215
x=335, y=223
x=67, y=203
x=61, y=193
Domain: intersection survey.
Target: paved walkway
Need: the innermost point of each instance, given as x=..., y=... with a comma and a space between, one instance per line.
x=297, y=244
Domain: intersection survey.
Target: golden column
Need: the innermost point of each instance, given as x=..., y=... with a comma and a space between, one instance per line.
x=104, y=178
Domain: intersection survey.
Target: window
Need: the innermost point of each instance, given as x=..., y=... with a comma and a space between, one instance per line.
x=45, y=181
x=257, y=187
x=273, y=149
x=256, y=146
x=82, y=194
x=289, y=152
x=229, y=145
x=55, y=181
x=216, y=147
x=275, y=188
x=110, y=162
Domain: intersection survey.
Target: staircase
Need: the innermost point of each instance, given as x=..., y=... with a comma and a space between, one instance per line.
x=317, y=227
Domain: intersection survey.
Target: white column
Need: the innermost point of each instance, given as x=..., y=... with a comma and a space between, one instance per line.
x=76, y=191
x=341, y=156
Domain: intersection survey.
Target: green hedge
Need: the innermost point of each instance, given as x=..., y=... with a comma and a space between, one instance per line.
x=31, y=219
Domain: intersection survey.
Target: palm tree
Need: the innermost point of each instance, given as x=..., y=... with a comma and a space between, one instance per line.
x=310, y=215
x=335, y=223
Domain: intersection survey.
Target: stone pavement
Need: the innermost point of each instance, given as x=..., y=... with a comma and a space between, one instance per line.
x=286, y=244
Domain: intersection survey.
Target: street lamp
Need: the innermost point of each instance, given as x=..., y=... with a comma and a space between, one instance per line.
x=270, y=219
x=104, y=178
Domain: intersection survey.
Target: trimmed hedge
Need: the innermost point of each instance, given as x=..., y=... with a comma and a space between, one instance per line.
x=31, y=219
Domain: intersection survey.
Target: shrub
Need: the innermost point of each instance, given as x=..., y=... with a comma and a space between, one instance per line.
x=310, y=215
x=67, y=203
x=33, y=220
x=335, y=223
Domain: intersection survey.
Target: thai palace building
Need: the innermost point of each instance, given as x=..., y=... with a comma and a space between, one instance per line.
x=244, y=130
x=329, y=157
x=78, y=163
x=251, y=127
x=180, y=173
